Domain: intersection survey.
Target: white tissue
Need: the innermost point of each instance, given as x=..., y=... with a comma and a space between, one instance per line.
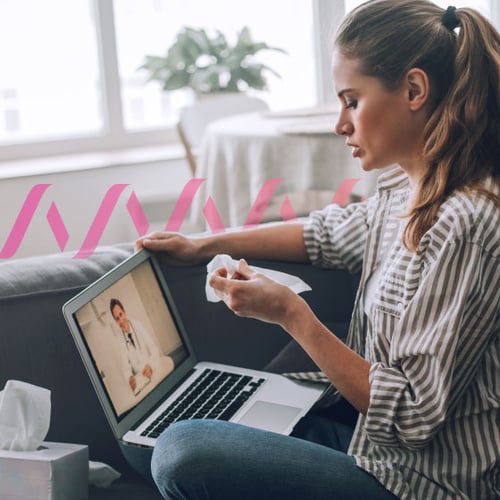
x=24, y=416
x=231, y=265
x=102, y=475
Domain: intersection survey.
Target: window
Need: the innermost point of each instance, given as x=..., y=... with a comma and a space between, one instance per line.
x=50, y=79
x=71, y=83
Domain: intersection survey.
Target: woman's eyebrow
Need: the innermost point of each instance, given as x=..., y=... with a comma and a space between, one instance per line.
x=343, y=91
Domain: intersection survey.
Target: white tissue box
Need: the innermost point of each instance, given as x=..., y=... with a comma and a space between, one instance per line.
x=58, y=471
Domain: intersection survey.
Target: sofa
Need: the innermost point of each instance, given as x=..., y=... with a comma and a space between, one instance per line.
x=37, y=347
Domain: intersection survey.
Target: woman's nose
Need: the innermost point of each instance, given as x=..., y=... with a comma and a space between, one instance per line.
x=343, y=127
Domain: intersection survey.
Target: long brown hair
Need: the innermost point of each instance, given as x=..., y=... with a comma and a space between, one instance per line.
x=460, y=52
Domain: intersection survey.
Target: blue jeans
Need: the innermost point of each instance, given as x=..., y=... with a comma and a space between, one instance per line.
x=201, y=459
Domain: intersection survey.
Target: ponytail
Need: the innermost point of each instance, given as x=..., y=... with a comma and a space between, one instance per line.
x=462, y=136
x=460, y=52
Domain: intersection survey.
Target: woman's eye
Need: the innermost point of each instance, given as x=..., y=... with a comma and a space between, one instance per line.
x=351, y=104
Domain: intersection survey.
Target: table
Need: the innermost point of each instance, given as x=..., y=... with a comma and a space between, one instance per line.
x=239, y=154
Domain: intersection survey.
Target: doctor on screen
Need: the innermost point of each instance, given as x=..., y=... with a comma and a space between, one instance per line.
x=141, y=355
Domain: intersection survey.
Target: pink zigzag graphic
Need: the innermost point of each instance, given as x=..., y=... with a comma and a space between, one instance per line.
x=139, y=218
x=23, y=220
x=286, y=210
x=213, y=217
x=100, y=221
x=57, y=225
x=261, y=202
x=137, y=214
x=343, y=192
x=183, y=203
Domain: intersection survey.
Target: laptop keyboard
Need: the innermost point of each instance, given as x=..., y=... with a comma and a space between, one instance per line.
x=214, y=394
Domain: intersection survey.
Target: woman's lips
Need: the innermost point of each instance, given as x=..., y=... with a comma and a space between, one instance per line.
x=354, y=150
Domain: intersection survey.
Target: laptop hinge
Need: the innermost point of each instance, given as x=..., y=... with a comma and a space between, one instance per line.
x=173, y=389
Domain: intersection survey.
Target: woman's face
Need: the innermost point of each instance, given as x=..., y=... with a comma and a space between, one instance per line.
x=379, y=126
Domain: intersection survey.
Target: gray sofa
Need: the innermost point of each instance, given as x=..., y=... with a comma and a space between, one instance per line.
x=38, y=348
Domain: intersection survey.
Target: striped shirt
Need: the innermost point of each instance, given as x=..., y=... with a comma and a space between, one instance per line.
x=432, y=336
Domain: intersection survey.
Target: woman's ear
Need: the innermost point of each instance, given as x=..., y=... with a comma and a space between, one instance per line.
x=417, y=88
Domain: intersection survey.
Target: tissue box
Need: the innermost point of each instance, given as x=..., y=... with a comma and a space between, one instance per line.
x=57, y=471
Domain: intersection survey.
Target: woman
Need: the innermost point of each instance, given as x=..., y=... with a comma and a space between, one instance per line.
x=419, y=87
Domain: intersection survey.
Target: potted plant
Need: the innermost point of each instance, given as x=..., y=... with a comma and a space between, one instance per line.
x=209, y=63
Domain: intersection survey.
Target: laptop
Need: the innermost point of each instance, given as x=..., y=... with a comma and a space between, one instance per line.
x=144, y=370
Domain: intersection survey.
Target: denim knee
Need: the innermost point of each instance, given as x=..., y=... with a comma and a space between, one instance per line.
x=170, y=460
x=181, y=449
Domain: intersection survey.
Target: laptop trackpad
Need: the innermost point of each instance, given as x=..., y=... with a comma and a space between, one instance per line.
x=269, y=416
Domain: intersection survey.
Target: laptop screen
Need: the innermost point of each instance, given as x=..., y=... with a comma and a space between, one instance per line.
x=131, y=337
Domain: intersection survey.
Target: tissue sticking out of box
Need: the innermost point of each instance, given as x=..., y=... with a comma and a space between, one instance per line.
x=24, y=416
x=231, y=265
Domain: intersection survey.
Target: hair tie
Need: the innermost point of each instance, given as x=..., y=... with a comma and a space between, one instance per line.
x=450, y=19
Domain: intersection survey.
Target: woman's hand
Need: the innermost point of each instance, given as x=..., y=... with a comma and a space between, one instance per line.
x=179, y=250
x=251, y=294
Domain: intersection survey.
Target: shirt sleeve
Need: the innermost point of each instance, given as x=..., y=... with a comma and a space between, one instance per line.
x=437, y=348
x=335, y=237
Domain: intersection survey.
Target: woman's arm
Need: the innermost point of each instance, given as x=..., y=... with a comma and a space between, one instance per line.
x=346, y=370
x=283, y=241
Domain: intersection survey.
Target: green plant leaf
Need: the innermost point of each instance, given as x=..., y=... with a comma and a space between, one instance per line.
x=206, y=62
x=189, y=47
x=217, y=45
x=210, y=79
x=244, y=37
x=153, y=63
x=261, y=68
x=176, y=80
x=197, y=38
x=253, y=78
x=247, y=46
